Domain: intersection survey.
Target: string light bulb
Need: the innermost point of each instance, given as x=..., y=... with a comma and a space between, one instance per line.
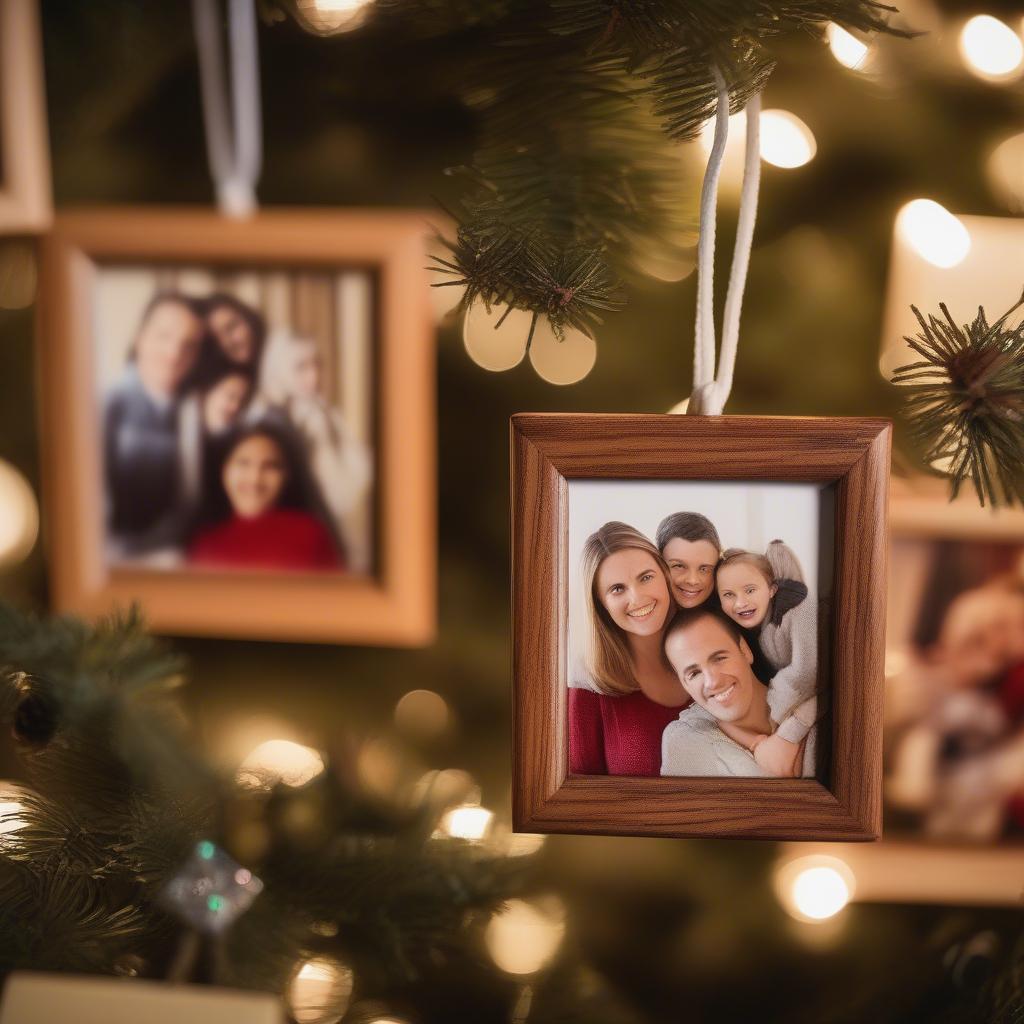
x=333, y=16
x=469, y=821
x=933, y=233
x=991, y=49
x=523, y=937
x=850, y=51
x=1005, y=168
x=422, y=714
x=561, y=360
x=785, y=140
x=814, y=888
x=280, y=761
x=321, y=991
x=495, y=338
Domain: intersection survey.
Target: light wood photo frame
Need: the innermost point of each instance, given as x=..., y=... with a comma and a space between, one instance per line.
x=26, y=206
x=548, y=453
x=394, y=601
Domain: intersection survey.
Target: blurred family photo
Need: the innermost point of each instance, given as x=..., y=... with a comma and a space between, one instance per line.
x=237, y=417
x=954, y=701
x=695, y=619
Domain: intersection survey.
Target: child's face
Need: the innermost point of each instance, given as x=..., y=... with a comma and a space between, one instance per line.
x=167, y=347
x=254, y=476
x=307, y=372
x=692, y=565
x=233, y=334
x=745, y=594
x=224, y=401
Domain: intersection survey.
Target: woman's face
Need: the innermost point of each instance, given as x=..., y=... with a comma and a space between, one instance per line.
x=692, y=565
x=233, y=334
x=632, y=588
x=224, y=401
x=254, y=476
x=745, y=594
x=307, y=372
x=167, y=347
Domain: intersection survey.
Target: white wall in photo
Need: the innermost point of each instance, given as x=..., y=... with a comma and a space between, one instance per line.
x=746, y=515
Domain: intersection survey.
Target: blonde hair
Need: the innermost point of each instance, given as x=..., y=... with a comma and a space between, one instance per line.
x=608, y=657
x=277, y=376
x=759, y=562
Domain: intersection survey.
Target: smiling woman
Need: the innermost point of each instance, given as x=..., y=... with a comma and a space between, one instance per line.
x=625, y=692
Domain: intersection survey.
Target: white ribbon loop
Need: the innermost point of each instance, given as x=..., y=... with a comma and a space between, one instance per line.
x=711, y=389
x=234, y=141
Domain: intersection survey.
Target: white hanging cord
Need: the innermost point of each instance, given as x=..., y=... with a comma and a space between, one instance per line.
x=704, y=328
x=711, y=389
x=234, y=139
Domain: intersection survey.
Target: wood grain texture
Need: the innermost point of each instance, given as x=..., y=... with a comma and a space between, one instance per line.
x=548, y=450
x=397, y=606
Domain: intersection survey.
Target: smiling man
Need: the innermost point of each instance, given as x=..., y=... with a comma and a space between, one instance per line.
x=716, y=733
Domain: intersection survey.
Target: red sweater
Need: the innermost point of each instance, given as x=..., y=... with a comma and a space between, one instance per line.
x=283, y=538
x=616, y=735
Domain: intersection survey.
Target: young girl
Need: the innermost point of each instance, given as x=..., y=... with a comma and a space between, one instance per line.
x=626, y=693
x=141, y=429
x=260, y=516
x=767, y=595
x=291, y=386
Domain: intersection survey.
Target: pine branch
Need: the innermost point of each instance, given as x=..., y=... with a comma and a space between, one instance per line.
x=965, y=402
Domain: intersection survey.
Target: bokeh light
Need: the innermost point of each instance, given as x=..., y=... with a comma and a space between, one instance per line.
x=523, y=937
x=1005, y=170
x=785, y=140
x=814, y=888
x=280, y=761
x=468, y=821
x=489, y=346
x=422, y=714
x=10, y=808
x=846, y=47
x=320, y=992
x=990, y=48
x=333, y=16
x=933, y=233
x=565, y=360
x=19, y=516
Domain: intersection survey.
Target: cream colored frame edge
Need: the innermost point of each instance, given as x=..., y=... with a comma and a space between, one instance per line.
x=396, y=607
x=25, y=190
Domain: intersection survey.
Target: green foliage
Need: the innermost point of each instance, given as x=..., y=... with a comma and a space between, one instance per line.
x=965, y=401
x=117, y=800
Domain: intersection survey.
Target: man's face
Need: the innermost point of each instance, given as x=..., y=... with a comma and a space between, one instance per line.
x=713, y=668
x=692, y=564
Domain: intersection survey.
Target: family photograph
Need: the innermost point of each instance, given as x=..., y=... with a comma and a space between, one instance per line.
x=695, y=629
x=236, y=419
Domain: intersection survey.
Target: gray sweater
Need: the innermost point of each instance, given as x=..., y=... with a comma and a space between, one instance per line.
x=792, y=649
x=693, y=745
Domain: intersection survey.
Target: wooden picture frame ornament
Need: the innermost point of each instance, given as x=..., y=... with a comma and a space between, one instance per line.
x=548, y=451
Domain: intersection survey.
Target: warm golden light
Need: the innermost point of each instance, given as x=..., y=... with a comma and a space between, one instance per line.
x=422, y=714
x=680, y=408
x=491, y=347
x=320, y=992
x=846, y=48
x=933, y=233
x=814, y=888
x=280, y=761
x=990, y=48
x=467, y=822
x=785, y=140
x=524, y=844
x=1005, y=169
x=523, y=938
x=19, y=516
x=10, y=808
x=565, y=360
x=334, y=15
